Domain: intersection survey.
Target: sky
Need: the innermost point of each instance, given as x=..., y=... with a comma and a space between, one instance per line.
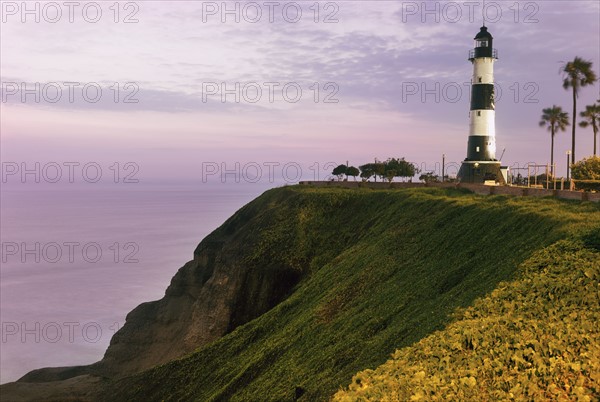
x=317, y=84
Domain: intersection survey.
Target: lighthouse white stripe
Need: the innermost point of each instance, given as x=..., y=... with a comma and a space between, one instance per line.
x=482, y=123
x=483, y=68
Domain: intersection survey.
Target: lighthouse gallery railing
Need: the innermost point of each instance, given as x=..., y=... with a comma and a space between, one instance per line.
x=483, y=52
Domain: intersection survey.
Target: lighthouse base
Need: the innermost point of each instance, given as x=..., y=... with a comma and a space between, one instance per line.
x=480, y=172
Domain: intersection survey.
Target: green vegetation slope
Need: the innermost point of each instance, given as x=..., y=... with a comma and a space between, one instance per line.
x=378, y=270
x=534, y=338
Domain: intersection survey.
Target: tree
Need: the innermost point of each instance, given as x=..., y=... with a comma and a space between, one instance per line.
x=429, y=177
x=366, y=171
x=389, y=169
x=352, y=171
x=555, y=119
x=339, y=171
x=379, y=170
x=402, y=167
x=390, y=174
x=586, y=169
x=591, y=117
x=577, y=74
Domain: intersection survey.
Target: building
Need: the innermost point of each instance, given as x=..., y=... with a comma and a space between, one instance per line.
x=481, y=164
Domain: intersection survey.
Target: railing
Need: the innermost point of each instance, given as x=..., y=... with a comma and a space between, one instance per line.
x=483, y=52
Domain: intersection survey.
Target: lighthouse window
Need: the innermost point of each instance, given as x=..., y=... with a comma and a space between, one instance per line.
x=477, y=149
x=478, y=113
x=482, y=43
x=479, y=78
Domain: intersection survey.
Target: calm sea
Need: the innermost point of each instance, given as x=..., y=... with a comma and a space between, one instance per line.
x=76, y=260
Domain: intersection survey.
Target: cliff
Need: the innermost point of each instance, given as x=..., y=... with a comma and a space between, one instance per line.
x=223, y=287
x=302, y=288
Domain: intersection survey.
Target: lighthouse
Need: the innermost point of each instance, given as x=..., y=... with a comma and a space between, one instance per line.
x=481, y=164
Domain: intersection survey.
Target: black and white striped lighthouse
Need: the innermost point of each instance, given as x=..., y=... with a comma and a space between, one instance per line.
x=481, y=164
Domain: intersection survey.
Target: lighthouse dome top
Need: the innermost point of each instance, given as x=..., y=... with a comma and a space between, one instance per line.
x=483, y=46
x=484, y=34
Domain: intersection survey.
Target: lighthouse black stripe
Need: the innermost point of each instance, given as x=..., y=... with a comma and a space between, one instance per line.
x=482, y=97
x=479, y=148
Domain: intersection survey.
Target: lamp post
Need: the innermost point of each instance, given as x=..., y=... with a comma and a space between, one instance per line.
x=568, y=170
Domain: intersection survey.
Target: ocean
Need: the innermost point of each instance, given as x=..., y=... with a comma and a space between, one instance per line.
x=76, y=259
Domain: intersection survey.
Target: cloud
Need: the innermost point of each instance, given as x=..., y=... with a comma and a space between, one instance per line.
x=372, y=54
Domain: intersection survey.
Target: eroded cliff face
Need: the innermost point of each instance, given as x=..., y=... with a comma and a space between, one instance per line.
x=210, y=296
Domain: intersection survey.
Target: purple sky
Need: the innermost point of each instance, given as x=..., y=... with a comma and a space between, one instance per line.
x=371, y=52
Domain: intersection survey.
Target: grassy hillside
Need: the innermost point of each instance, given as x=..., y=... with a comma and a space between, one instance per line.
x=534, y=338
x=380, y=270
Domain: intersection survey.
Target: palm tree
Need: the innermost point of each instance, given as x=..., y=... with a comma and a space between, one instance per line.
x=591, y=117
x=556, y=120
x=577, y=74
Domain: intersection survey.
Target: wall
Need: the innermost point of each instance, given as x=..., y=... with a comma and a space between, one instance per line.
x=476, y=188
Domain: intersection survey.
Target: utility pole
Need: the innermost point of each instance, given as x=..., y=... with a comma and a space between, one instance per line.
x=443, y=166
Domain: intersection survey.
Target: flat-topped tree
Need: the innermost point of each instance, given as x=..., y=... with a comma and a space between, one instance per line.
x=339, y=171
x=352, y=171
x=399, y=168
x=366, y=171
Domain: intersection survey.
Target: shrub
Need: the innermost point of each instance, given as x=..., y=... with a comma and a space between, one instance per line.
x=586, y=169
x=587, y=185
